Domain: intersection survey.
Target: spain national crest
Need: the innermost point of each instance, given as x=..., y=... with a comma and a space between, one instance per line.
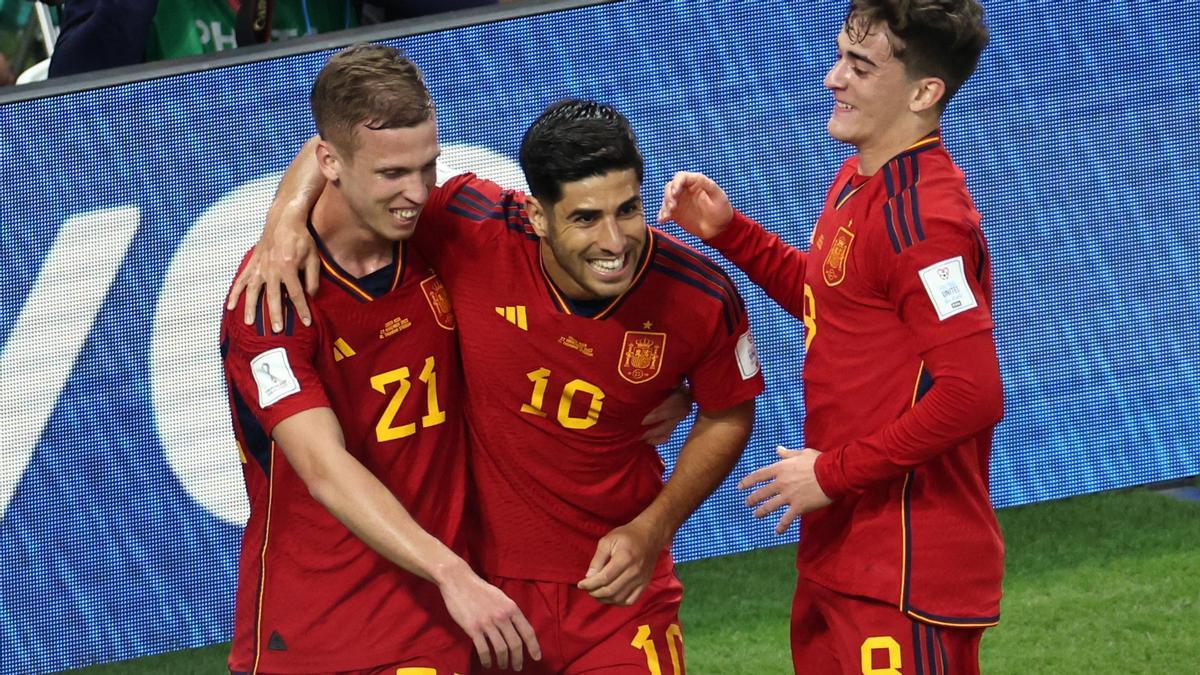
x=641, y=355
x=439, y=302
x=834, y=269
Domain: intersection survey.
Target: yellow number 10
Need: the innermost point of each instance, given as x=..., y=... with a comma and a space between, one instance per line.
x=385, y=430
x=644, y=642
x=541, y=379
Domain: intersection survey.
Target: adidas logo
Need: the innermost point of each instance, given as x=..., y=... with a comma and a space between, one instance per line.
x=341, y=350
x=514, y=315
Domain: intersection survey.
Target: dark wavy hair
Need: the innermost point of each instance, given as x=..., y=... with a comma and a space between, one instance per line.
x=574, y=139
x=935, y=38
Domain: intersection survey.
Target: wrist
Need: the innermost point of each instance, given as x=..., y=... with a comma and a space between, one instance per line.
x=448, y=570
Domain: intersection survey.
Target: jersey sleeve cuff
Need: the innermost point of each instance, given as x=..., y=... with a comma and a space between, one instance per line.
x=830, y=476
x=731, y=237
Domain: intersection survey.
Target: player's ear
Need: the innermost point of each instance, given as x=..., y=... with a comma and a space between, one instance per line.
x=328, y=160
x=537, y=215
x=928, y=92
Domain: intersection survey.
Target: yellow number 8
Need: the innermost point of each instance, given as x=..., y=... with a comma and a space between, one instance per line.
x=881, y=642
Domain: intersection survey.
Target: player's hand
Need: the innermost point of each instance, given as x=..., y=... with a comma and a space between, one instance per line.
x=697, y=203
x=668, y=415
x=791, y=482
x=285, y=249
x=624, y=562
x=490, y=618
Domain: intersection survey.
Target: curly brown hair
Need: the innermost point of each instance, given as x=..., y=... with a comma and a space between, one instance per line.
x=933, y=38
x=371, y=85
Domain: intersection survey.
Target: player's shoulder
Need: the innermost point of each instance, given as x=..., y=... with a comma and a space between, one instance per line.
x=480, y=200
x=694, y=280
x=926, y=197
x=233, y=324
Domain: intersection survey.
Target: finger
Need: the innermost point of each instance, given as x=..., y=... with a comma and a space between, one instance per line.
x=481, y=648
x=762, y=494
x=619, y=588
x=600, y=560
x=659, y=434
x=275, y=306
x=770, y=506
x=528, y=636
x=636, y=595
x=499, y=647
x=236, y=291
x=786, y=521
x=312, y=272
x=757, y=476
x=784, y=453
x=291, y=281
x=250, y=308
x=512, y=640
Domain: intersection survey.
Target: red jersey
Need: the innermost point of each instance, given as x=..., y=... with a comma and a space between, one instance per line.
x=382, y=354
x=556, y=398
x=898, y=267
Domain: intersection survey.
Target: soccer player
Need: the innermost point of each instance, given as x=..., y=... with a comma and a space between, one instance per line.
x=575, y=320
x=351, y=428
x=900, y=558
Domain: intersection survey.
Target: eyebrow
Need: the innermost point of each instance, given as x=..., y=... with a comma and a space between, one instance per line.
x=861, y=57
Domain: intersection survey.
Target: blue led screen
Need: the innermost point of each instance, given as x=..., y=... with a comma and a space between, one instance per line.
x=125, y=210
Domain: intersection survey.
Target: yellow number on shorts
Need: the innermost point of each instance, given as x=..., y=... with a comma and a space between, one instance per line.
x=810, y=316
x=644, y=642
x=541, y=379
x=893, y=650
x=385, y=428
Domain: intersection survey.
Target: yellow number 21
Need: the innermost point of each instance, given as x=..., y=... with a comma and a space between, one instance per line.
x=385, y=428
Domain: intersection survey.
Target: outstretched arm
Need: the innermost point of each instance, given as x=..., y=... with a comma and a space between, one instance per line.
x=624, y=560
x=285, y=247
x=313, y=443
x=701, y=207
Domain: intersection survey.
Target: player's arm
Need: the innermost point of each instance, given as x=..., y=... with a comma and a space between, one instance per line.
x=625, y=558
x=314, y=446
x=285, y=247
x=701, y=207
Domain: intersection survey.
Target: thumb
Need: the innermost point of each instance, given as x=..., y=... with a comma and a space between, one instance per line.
x=785, y=453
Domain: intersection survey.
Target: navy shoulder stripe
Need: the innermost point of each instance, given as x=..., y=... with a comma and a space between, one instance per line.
x=658, y=266
x=902, y=211
x=705, y=267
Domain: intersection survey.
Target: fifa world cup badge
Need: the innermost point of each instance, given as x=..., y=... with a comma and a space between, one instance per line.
x=641, y=355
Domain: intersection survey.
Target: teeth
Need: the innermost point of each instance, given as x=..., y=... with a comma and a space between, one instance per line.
x=843, y=106
x=606, y=264
x=405, y=213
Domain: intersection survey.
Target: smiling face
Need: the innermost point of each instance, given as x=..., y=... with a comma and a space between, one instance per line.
x=592, y=237
x=872, y=91
x=385, y=180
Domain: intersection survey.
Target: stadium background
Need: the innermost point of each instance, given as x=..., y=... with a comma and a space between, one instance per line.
x=124, y=210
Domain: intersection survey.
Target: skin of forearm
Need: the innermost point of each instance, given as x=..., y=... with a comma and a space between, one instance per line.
x=360, y=502
x=712, y=448
x=300, y=186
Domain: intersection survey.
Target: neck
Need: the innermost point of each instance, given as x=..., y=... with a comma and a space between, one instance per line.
x=352, y=243
x=872, y=155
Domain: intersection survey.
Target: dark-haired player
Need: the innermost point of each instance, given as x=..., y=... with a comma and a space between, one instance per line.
x=575, y=320
x=900, y=558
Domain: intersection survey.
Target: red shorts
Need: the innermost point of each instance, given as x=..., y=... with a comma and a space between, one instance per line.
x=834, y=633
x=579, y=634
x=452, y=659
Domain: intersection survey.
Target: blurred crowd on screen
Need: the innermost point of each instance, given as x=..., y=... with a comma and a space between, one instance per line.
x=97, y=34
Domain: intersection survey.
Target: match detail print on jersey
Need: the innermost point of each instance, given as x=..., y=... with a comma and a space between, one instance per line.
x=946, y=284
x=274, y=377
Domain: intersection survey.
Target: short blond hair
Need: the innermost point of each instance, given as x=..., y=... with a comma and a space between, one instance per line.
x=370, y=85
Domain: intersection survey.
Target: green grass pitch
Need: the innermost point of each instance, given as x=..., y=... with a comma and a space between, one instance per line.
x=1106, y=583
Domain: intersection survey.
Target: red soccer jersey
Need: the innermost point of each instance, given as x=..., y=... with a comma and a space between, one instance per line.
x=898, y=267
x=556, y=399
x=382, y=354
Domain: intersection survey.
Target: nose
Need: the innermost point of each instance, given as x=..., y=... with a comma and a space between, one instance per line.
x=415, y=189
x=609, y=237
x=836, y=77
